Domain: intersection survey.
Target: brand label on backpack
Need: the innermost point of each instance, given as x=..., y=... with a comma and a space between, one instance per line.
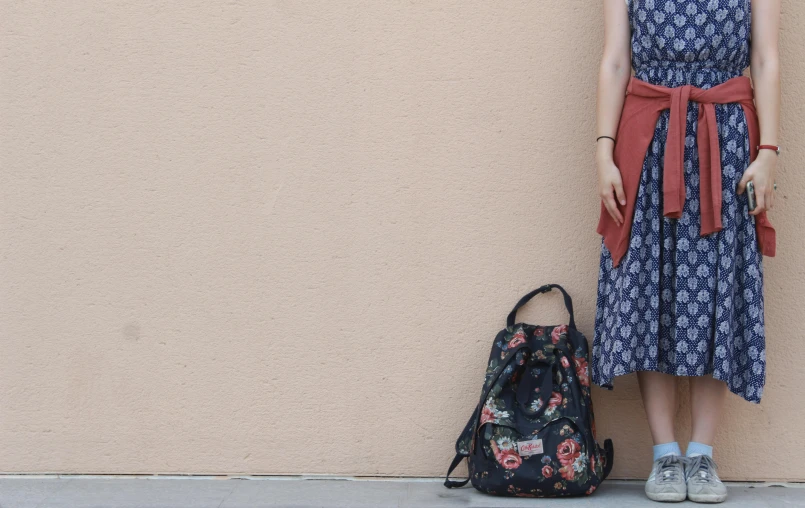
x=532, y=447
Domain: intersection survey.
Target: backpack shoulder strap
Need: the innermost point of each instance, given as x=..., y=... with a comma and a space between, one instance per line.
x=463, y=444
x=609, y=453
x=451, y=484
x=469, y=430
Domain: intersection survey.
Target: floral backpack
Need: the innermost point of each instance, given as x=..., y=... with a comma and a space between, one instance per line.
x=533, y=431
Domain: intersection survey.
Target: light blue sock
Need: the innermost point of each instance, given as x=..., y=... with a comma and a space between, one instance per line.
x=661, y=450
x=695, y=448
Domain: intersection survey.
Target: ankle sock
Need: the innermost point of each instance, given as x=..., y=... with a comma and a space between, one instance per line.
x=695, y=448
x=661, y=450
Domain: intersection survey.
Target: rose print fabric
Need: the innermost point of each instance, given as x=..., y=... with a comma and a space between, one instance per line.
x=533, y=431
x=680, y=303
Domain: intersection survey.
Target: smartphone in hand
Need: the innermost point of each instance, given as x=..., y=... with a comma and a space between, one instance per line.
x=750, y=195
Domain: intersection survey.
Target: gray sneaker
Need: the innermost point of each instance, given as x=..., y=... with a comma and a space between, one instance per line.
x=704, y=485
x=667, y=480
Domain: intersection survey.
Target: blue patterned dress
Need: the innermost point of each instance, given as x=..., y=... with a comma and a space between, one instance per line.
x=680, y=303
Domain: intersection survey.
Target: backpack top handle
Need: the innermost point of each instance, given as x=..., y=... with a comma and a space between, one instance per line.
x=543, y=289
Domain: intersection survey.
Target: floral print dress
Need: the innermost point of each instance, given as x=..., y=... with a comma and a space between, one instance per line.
x=680, y=303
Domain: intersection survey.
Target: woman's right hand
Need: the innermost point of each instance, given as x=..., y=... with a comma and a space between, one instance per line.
x=610, y=187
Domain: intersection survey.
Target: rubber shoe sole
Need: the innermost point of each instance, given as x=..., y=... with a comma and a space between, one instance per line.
x=707, y=498
x=666, y=497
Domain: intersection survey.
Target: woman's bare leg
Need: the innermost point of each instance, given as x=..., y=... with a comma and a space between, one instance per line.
x=707, y=397
x=659, y=399
x=667, y=479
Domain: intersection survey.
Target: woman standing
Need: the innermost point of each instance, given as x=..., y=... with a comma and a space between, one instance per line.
x=680, y=290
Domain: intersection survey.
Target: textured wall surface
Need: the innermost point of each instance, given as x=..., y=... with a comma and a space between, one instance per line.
x=278, y=237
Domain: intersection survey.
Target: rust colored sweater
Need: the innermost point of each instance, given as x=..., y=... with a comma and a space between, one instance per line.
x=641, y=109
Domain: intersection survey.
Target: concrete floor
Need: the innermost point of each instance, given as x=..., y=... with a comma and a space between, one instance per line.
x=79, y=492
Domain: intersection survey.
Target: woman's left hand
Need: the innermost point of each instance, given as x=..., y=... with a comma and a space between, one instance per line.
x=761, y=172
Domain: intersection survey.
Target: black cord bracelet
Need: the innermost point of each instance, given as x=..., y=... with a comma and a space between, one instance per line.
x=608, y=137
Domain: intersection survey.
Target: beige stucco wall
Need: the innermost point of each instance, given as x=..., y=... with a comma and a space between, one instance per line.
x=278, y=237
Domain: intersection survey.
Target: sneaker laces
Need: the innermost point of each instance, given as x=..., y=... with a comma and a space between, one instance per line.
x=667, y=469
x=701, y=468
